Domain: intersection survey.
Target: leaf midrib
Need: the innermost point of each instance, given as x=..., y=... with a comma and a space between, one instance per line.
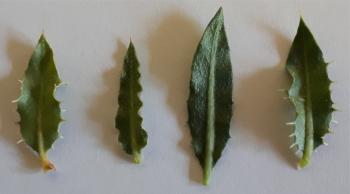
x=210, y=138
x=132, y=110
x=309, y=128
x=41, y=145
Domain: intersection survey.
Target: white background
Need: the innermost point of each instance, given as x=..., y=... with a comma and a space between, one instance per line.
x=89, y=40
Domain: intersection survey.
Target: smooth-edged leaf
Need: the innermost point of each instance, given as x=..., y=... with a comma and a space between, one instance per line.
x=39, y=111
x=131, y=134
x=210, y=100
x=309, y=93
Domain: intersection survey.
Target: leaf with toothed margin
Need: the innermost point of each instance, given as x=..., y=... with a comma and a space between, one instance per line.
x=210, y=100
x=128, y=121
x=39, y=111
x=309, y=93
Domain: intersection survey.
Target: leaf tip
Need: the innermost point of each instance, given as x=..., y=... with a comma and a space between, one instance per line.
x=301, y=20
x=42, y=37
x=220, y=10
x=131, y=44
x=131, y=49
x=219, y=13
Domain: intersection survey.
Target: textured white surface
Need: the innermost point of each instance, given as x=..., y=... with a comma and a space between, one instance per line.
x=89, y=41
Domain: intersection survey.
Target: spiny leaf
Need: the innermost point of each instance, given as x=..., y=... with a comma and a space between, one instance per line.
x=309, y=93
x=131, y=134
x=39, y=110
x=210, y=100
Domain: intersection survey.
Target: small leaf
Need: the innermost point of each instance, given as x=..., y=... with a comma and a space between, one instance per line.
x=131, y=134
x=309, y=93
x=210, y=100
x=38, y=109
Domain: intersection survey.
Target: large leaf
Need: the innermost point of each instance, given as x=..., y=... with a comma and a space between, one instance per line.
x=309, y=93
x=210, y=100
x=38, y=109
x=128, y=120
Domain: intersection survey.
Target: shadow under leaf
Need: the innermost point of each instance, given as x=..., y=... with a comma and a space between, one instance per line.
x=19, y=53
x=172, y=46
x=104, y=107
x=261, y=108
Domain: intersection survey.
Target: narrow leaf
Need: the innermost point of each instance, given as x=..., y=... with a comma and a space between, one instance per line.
x=210, y=100
x=131, y=134
x=309, y=93
x=38, y=109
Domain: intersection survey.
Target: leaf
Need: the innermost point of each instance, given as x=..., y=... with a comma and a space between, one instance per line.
x=210, y=100
x=309, y=93
x=38, y=109
x=131, y=134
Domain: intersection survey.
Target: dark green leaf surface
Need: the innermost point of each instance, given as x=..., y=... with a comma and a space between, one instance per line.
x=309, y=93
x=210, y=100
x=37, y=106
x=131, y=134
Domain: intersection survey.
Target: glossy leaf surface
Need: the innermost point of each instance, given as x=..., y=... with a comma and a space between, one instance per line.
x=210, y=100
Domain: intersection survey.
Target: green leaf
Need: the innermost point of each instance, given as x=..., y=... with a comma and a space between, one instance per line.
x=210, y=100
x=38, y=109
x=131, y=134
x=309, y=93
